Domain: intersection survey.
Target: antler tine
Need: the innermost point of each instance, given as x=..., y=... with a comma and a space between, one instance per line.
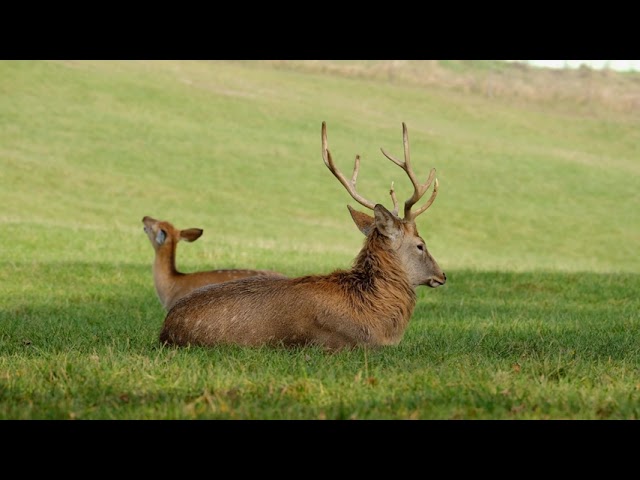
x=392, y=192
x=429, y=202
x=418, y=189
x=349, y=185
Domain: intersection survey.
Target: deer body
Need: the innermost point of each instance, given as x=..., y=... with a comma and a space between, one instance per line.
x=369, y=304
x=171, y=285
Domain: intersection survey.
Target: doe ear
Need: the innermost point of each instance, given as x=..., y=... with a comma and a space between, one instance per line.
x=161, y=236
x=191, y=234
x=364, y=222
x=386, y=222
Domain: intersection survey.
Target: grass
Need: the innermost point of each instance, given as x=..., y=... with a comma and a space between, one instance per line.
x=535, y=225
x=498, y=345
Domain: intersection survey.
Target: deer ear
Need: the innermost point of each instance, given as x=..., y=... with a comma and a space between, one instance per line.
x=364, y=222
x=191, y=234
x=161, y=236
x=386, y=222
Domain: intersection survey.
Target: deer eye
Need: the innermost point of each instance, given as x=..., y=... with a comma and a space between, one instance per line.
x=421, y=247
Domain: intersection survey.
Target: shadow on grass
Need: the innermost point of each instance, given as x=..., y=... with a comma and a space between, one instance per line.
x=60, y=306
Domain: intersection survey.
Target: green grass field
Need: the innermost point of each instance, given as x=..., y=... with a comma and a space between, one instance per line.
x=536, y=225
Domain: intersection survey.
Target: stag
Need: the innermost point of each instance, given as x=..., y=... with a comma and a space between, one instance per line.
x=370, y=304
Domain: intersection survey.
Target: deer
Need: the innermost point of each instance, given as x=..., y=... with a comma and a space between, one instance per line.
x=171, y=285
x=369, y=304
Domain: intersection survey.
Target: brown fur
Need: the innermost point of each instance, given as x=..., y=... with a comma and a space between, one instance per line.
x=171, y=285
x=370, y=304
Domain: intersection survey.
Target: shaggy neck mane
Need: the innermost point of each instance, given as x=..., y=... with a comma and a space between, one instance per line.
x=377, y=270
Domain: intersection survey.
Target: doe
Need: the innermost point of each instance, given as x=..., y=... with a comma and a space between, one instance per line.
x=172, y=285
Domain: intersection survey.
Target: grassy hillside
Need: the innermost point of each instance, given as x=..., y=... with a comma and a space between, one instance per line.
x=538, y=207
x=234, y=149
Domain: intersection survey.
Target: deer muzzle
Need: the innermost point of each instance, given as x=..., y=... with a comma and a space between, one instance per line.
x=437, y=281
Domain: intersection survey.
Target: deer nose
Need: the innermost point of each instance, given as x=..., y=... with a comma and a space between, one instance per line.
x=444, y=275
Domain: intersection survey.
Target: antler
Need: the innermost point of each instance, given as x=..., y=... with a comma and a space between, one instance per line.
x=418, y=190
x=349, y=185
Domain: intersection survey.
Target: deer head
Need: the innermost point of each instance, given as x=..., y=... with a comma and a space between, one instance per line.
x=421, y=268
x=163, y=235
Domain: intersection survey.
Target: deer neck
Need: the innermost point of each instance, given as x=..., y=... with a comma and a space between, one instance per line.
x=165, y=272
x=380, y=287
x=377, y=267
